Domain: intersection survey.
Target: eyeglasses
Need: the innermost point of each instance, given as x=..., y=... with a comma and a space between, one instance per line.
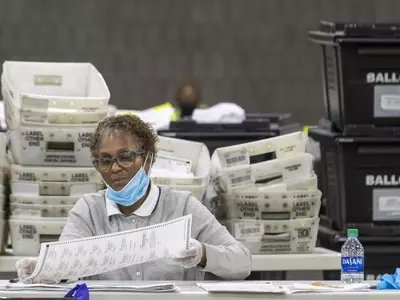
x=124, y=160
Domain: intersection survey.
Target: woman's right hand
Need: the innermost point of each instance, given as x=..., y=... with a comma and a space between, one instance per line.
x=25, y=268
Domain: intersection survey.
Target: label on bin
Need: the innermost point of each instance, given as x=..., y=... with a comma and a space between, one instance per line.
x=390, y=102
x=389, y=203
x=352, y=264
x=248, y=230
x=234, y=158
x=173, y=164
x=241, y=177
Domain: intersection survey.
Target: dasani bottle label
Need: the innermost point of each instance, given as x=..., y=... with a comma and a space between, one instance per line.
x=352, y=264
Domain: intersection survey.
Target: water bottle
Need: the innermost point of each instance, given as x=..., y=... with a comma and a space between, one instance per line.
x=352, y=259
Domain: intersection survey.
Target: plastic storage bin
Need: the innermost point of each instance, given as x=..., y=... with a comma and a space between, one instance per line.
x=273, y=237
x=29, y=229
x=183, y=165
x=60, y=174
x=52, y=146
x=361, y=75
x=45, y=210
x=44, y=200
x=42, y=93
x=2, y=229
x=259, y=205
x=361, y=181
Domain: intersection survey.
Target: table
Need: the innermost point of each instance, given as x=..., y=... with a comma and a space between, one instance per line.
x=189, y=291
x=320, y=259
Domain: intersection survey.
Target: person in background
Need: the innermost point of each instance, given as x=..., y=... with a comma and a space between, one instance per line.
x=188, y=98
x=123, y=148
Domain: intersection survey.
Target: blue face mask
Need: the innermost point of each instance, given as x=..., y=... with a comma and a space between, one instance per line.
x=133, y=191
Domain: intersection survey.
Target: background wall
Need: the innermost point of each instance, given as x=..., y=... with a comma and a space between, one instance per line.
x=254, y=52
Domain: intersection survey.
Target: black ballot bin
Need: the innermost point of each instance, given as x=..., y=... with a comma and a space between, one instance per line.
x=254, y=127
x=361, y=75
x=381, y=253
x=360, y=180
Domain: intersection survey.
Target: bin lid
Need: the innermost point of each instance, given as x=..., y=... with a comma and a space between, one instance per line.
x=338, y=32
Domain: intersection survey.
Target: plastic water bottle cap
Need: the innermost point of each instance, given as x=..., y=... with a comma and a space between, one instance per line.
x=352, y=232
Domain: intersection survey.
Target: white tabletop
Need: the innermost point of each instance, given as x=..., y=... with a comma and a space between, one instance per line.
x=320, y=259
x=189, y=291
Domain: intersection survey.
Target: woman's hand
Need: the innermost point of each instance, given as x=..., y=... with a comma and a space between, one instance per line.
x=25, y=268
x=195, y=256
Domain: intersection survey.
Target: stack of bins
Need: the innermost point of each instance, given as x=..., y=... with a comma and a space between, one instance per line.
x=182, y=165
x=52, y=110
x=3, y=171
x=271, y=206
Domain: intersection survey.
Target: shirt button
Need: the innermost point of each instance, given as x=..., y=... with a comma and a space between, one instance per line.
x=137, y=273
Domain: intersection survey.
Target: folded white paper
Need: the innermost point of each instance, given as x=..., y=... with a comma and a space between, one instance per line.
x=241, y=287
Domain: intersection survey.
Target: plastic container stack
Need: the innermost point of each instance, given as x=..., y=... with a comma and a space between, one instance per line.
x=52, y=110
x=271, y=206
x=3, y=171
x=182, y=165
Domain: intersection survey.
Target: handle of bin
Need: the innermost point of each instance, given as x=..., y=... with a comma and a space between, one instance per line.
x=281, y=236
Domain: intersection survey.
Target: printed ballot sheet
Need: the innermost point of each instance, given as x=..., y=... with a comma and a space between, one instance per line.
x=99, y=254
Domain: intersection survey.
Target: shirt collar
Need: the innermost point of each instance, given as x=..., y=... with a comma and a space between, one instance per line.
x=144, y=210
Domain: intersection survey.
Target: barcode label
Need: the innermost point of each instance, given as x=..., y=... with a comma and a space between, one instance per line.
x=241, y=177
x=235, y=158
x=249, y=230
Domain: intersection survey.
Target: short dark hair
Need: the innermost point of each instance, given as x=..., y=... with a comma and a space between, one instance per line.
x=128, y=123
x=188, y=83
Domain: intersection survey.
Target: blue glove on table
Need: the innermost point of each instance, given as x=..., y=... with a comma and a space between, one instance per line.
x=389, y=282
x=79, y=292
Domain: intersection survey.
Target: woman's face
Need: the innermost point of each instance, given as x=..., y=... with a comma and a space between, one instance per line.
x=119, y=144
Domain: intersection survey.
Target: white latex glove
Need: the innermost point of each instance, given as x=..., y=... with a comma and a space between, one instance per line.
x=191, y=257
x=25, y=268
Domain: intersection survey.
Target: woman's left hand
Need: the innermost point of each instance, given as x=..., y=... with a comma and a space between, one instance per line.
x=192, y=257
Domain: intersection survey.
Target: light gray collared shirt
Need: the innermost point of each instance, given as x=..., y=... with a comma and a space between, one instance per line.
x=227, y=258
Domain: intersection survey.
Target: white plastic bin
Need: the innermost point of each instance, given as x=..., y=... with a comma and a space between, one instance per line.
x=52, y=146
x=255, y=205
x=44, y=210
x=55, y=174
x=44, y=200
x=181, y=164
x=28, y=230
x=2, y=230
x=53, y=93
x=283, y=146
x=44, y=188
x=290, y=169
x=274, y=237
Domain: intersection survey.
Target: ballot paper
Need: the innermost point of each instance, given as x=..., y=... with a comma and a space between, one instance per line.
x=271, y=288
x=327, y=287
x=104, y=287
x=84, y=257
x=242, y=287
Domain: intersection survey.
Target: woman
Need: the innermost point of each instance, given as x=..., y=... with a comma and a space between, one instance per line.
x=123, y=149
